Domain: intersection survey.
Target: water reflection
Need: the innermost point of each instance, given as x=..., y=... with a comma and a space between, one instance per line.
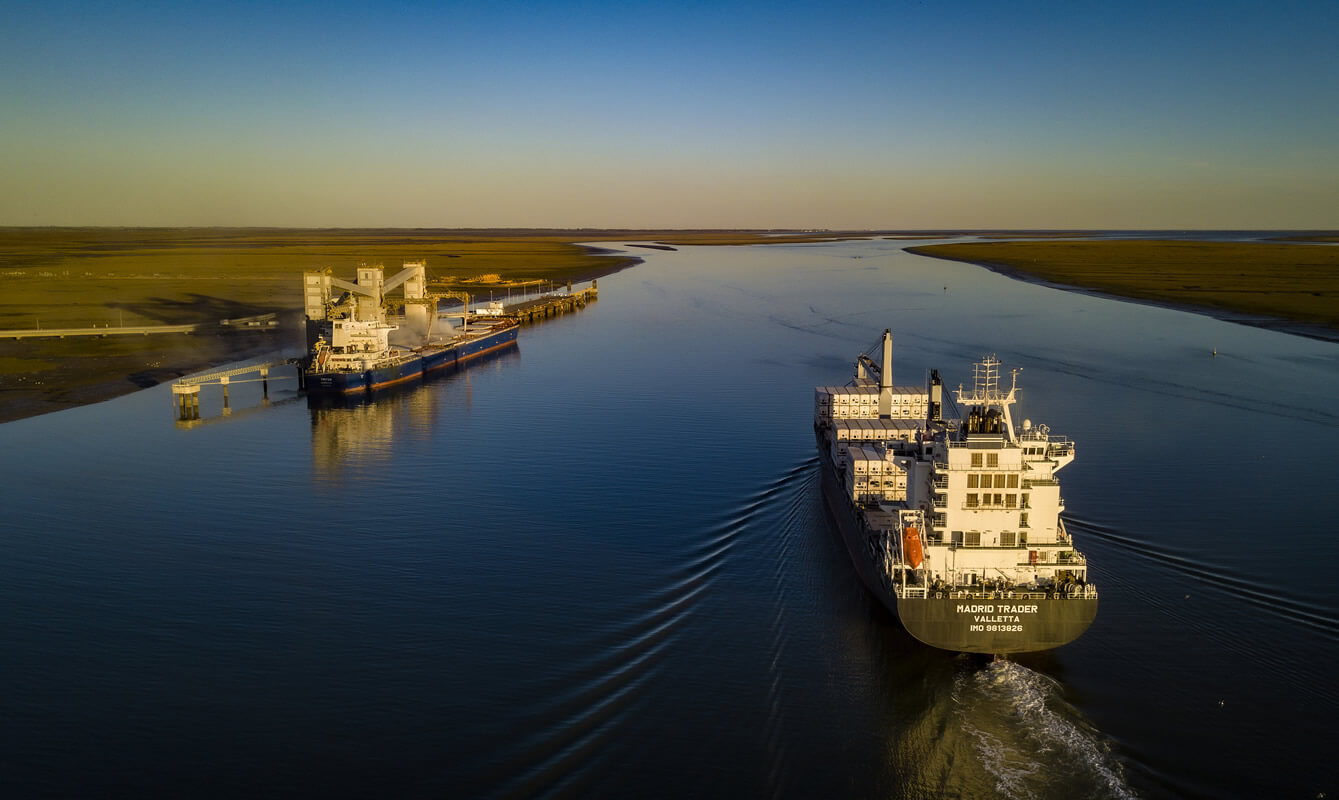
x=613, y=575
x=358, y=432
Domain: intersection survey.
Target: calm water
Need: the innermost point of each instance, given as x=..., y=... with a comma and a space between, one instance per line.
x=600, y=564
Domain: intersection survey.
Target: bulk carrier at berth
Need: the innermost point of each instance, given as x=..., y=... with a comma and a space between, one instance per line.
x=953, y=523
x=349, y=332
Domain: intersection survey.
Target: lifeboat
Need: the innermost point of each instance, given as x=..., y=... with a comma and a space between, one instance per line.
x=911, y=546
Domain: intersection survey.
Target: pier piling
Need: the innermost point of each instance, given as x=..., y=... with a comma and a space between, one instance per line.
x=186, y=392
x=186, y=398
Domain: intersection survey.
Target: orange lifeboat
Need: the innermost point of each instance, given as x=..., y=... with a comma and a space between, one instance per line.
x=911, y=546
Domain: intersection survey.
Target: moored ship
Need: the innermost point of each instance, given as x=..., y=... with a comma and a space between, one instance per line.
x=349, y=332
x=953, y=520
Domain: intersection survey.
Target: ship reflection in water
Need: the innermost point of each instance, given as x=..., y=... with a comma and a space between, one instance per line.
x=354, y=435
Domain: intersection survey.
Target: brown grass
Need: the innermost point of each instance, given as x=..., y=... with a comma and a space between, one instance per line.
x=1292, y=282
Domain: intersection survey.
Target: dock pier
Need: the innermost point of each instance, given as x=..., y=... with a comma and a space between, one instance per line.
x=186, y=391
x=553, y=304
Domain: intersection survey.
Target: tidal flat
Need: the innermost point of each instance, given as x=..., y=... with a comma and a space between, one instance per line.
x=112, y=277
x=1291, y=287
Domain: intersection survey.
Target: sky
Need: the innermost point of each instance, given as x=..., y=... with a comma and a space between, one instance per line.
x=888, y=115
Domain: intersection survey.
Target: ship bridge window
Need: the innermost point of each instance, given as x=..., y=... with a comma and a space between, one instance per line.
x=992, y=459
x=976, y=459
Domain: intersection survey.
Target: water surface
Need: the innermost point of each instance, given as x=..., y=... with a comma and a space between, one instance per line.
x=600, y=564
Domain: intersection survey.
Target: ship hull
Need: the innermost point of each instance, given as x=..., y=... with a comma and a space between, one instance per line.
x=999, y=624
x=415, y=367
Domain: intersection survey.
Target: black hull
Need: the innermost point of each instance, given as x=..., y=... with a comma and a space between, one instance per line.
x=969, y=622
x=998, y=625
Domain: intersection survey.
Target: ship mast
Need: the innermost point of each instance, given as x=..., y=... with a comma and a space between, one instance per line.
x=986, y=392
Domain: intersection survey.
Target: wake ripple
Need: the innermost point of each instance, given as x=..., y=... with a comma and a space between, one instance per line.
x=582, y=708
x=1268, y=598
x=794, y=487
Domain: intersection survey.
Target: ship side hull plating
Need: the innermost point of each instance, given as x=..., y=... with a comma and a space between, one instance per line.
x=415, y=367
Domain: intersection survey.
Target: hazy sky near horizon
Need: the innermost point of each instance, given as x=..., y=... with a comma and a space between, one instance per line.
x=672, y=114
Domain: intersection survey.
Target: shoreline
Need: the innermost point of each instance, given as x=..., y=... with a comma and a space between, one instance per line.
x=129, y=367
x=61, y=374
x=1279, y=324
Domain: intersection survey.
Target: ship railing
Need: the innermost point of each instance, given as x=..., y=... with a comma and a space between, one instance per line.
x=1060, y=445
x=911, y=591
x=1074, y=592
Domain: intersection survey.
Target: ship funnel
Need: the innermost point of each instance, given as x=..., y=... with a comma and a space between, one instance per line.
x=886, y=377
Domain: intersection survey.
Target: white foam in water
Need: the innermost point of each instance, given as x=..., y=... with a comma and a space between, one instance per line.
x=1029, y=739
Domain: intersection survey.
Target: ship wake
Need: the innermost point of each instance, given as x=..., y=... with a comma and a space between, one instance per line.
x=1028, y=739
x=578, y=713
x=1274, y=600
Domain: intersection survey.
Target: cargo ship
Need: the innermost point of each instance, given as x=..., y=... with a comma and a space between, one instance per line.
x=352, y=340
x=953, y=519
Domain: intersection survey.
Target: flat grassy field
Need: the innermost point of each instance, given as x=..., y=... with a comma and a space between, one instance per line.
x=1297, y=283
x=87, y=277
x=81, y=277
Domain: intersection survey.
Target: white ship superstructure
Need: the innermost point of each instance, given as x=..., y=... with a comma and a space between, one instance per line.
x=951, y=509
x=996, y=497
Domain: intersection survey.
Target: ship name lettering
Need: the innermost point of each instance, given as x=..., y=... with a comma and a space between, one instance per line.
x=997, y=618
x=991, y=608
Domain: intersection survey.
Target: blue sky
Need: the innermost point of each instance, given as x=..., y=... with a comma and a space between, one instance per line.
x=878, y=115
